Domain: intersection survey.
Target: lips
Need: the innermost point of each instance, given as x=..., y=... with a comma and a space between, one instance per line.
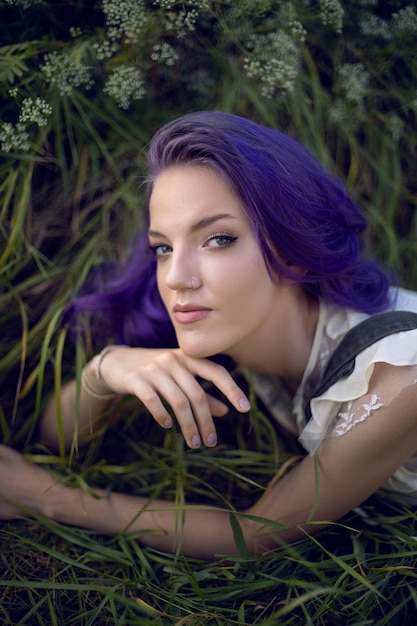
x=188, y=313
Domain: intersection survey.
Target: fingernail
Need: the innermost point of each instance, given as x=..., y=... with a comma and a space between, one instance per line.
x=168, y=423
x=211, y=440
x=244, y=404
x=195, y=442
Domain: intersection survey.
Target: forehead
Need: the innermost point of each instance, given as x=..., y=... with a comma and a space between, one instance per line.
x=185, y=191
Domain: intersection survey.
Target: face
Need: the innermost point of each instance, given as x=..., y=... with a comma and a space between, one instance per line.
x=211, y=275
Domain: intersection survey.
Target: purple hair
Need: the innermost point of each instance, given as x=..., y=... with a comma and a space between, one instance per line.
x=306, y=225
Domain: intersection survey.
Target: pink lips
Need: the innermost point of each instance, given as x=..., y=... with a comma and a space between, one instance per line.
x=187, y=313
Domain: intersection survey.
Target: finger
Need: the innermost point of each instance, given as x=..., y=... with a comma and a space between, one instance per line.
x=196, y=425
x=186, y=397
x=221, y=378
x=174, y=388
x=217, y=407
x=151, y=400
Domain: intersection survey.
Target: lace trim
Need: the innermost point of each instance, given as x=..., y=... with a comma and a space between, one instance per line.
x=349, y=418
x=385, y=385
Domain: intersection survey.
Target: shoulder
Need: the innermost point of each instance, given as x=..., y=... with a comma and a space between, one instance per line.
x=396, y=353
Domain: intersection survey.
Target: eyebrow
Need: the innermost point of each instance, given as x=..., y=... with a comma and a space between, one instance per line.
x=205, y=221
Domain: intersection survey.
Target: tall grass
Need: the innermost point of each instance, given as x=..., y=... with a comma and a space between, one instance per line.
x=67, y=203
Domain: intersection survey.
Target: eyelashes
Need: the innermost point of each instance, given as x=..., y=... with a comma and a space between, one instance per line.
x=225, y=239
x=159, y=249
x=214, y=241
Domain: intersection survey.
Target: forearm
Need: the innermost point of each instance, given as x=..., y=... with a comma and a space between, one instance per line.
x=201, y=533
x=74, y=412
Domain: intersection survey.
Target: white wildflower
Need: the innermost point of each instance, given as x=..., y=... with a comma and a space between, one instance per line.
x=297, y=30
x=105, y=50
x=64, y=73
x=164, y=4
x=125, y=84
x=125, y=19
x=164, y=53
x=75, y=31
x=35, y=111
x=340, y=114
x=182, y=22
x=331, y=13
x=169, y=4
x=274, y=61
x=374, y=26
x=14, y=137
x=354, y=80
x=405, y=20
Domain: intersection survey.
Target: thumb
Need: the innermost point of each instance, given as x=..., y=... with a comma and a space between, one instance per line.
x=217, y=407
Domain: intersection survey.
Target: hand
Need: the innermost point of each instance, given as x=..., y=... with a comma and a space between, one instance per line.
x=24, y=487
x=170, y=375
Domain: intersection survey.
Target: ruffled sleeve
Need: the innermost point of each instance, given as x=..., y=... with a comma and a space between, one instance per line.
x=349, y=402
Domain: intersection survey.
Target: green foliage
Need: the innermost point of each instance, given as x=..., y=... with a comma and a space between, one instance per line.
x=83, y=86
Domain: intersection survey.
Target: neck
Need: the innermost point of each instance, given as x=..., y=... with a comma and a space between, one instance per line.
x=283, y=345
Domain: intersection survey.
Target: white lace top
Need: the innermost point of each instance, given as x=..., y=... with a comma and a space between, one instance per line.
x=348, y=403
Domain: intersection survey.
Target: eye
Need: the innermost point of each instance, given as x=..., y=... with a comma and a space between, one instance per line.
x=220, y=240
x=160, y=249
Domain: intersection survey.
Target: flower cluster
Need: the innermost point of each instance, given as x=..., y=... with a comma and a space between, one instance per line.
x=405, y=20
x=331, y=12
x=35, y=111
x=297, y=30
x=374, y=26
x=125, y=19
x=182, y=22
x=105, y=49
x=169, y=4
x=403, y=23
x=353, y=83
x=164, y=53
x=274, y=60
x=16, y=136
x=64, y=73
x=125, y=84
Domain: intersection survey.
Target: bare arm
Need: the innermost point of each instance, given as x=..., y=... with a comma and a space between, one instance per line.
x=151, y=376
x=348, y=470
x=80, y=417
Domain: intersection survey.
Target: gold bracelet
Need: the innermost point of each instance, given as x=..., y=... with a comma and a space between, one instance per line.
x=109, y=394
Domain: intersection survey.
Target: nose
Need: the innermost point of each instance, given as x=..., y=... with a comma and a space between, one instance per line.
x=181, y=272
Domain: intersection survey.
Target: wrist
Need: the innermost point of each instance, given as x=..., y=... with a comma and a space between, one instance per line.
x=92, y=387
x=92, y=379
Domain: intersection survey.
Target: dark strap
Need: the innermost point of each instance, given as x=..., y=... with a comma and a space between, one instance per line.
x=357, y=339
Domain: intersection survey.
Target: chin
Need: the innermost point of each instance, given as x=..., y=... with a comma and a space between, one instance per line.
x=196, y=351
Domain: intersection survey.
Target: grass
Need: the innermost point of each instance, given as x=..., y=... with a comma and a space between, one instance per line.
x=68, y=205
x=356, y=572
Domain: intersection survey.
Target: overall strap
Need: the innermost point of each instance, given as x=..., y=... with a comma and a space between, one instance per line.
x=357, y=339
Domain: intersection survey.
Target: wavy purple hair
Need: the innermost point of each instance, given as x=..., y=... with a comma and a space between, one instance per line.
x=301, y=215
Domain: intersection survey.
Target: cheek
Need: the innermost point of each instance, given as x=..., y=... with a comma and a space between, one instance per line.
x=160, y=283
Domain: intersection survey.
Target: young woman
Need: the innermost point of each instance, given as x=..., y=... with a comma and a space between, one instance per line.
x=255, y=255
